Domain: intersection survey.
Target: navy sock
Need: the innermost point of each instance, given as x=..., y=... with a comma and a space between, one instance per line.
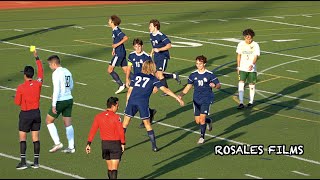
x=152, y=137
x=36, y=151
x=168, y=76
x=208, y=120
x=130, y=75
x=164, y=82
x=23, y=148
x=116, y=77
x=203, y=130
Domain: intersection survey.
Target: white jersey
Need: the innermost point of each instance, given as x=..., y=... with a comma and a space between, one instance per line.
x=248, y=52
x=62, y=85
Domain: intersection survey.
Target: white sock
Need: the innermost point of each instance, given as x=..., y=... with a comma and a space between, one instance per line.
x=70, y=136
x=241, y=91
x=53, y=133
x=252, y=91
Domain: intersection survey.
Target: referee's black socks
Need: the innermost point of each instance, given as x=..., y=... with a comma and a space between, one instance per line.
x=36, y=150
x=23, y=148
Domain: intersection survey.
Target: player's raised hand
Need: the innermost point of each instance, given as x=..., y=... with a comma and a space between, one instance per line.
x=35, y=54
x=88, y=149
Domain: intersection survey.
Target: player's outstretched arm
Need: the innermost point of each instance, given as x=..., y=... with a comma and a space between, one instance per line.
x=170, y=93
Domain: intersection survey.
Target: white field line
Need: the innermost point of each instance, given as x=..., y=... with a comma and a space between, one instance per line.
x=255, y=177
x=44, y=167
x=292, y=71
x=83, y=57
x=300, y=59
x=180, y=75
x=225, y=45
x=276, y=22
x=81, y=83
x=176, y=127
x=199, y=20
x=297, y=172
x=45, y=85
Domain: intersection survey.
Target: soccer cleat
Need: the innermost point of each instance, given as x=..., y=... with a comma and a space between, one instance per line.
x=201, y=141
x=164, y=94
x=56, y=147
x=21, y=166
x=141, y=125
x=209, y=125
x=154, y=149
x=249, y=105
x=177, y=78
x=68, y=150
x=120, y=89
x=35, y=166
x=152, y=113
x=241, y=106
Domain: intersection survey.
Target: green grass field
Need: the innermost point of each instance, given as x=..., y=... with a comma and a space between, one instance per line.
x=286, y=110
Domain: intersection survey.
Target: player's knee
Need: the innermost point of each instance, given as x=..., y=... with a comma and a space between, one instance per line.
x=241, y=86
x=110, y=69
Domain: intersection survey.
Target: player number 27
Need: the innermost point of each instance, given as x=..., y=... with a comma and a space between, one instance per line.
x=139, y=79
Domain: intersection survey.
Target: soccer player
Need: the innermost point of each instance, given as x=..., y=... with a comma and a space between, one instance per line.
x=160, y=49
x=138, y=95
x=112, y=136
x=118, y=51
x=203, y=81
x=248, y=52
x=62, y=102
x=28, y=97
x=135, y=61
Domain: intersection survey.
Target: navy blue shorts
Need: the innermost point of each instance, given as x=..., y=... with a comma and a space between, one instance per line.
x=132, y=109
x=161, y=65
x=119, y=61
x=201, y=108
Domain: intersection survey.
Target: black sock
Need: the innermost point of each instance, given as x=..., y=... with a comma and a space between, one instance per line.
x=168, y=76
x=203, y=130
x=116, y=77
x=164, y=82
x=36, y=151
x=109, y=174
x=23, y=148
x=152, y=137
x=114, y=174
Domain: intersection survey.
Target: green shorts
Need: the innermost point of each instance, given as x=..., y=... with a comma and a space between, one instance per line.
x=249, y=77
x=64, y=107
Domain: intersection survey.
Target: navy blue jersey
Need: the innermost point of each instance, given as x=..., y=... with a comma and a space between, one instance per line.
x=142, y=88
x=137, y=60
x=200, y=81
x=160, y=40
x=117, y=36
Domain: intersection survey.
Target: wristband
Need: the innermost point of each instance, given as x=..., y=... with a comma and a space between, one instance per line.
x=238, y=68
x=89, y=143
x=37, y=58
x=182, y=94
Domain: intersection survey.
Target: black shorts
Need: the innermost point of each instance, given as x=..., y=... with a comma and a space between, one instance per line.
x=29, y=120
x=111, y=149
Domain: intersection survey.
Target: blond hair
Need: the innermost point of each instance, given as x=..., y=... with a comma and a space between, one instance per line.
x=148, y=67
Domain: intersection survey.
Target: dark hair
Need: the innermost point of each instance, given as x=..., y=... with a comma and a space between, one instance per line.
x=155, y=23
x=112, y=101
x=116, y=20
x=137, y=41
x=248, y=32
x=202, y=58
x=28, y=71
x=54, y=58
